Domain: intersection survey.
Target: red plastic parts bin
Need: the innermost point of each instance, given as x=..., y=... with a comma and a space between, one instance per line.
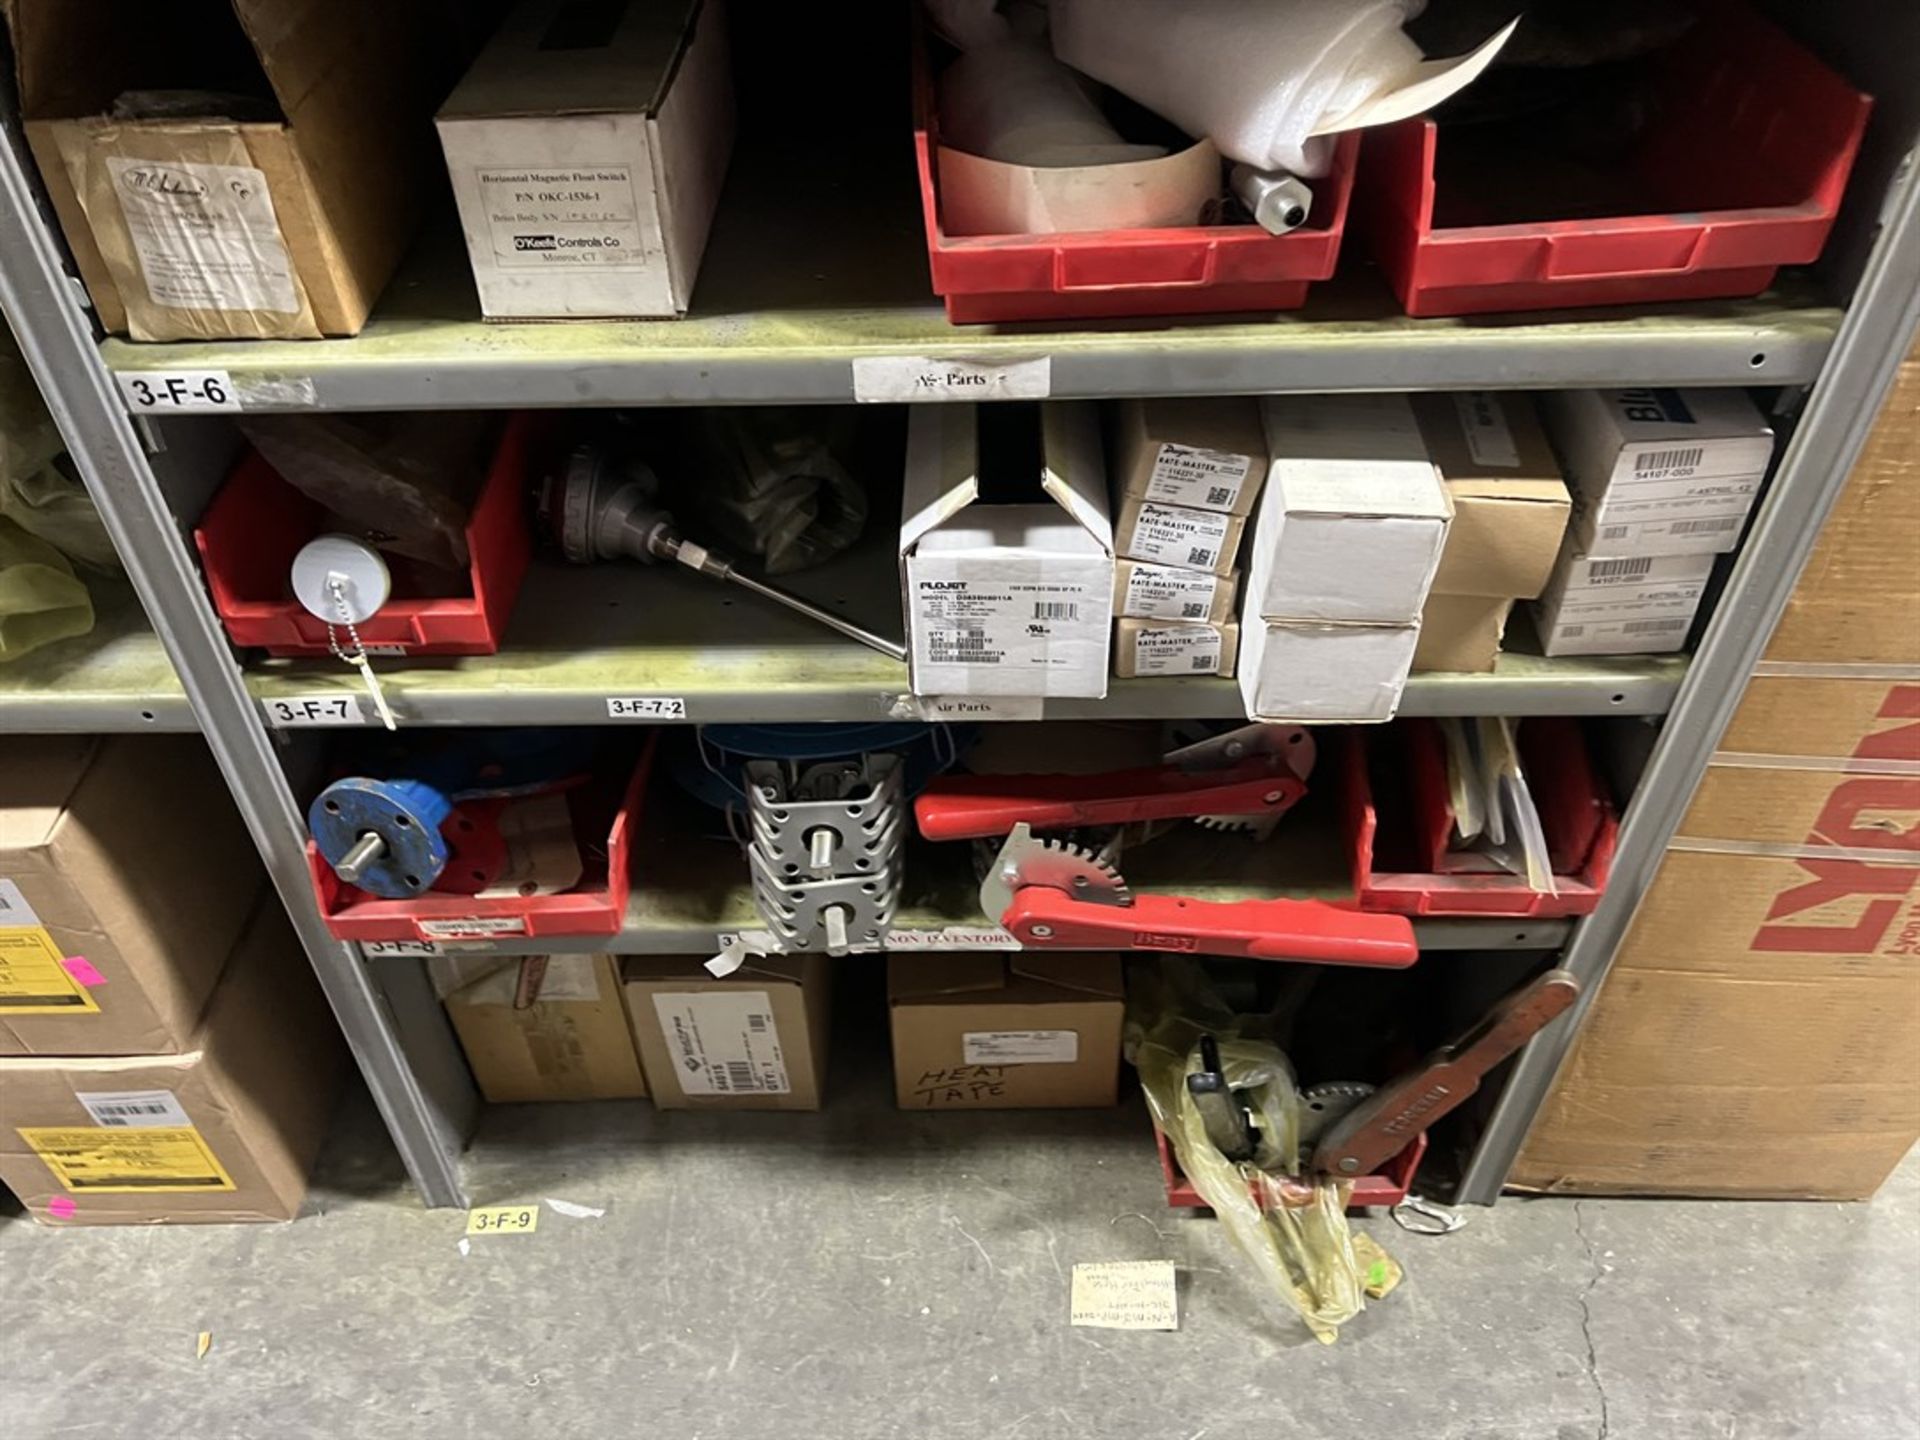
x=258, y=522
x=1385, y=1187
x=605, y=815
x=1742, y=173
x=1396, y=838
x=1116, y=274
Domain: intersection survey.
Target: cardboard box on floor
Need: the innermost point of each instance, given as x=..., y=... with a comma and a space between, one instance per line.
x=125, y=878
x=570, y=1040
x=756, y=1040
x=587, y=148
x=225, y=1130
x=982, y=1031
x=281, y=227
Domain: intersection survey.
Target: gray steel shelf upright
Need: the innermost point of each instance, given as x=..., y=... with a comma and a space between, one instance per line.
x=581, y=637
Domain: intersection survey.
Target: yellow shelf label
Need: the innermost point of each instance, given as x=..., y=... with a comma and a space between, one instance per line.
x=503, y=1219
x=107, y=1160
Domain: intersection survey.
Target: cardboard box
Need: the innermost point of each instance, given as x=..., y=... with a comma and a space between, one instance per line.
x=1174, y=647
x=1145, y=591
x=1461, y=633
x=1304, y=671
x=1824, y=718
x=1659, y=471
x=1006, y=551
x=1177, y=535
x=1354, y=518
x=283, y=227
x=756, y=1040
x=1204, y=454
x=125, y=878
x=982, y=1031
x=1510, y=506
x=571, y=1041
x=1632, y=605
x=226, y=1130
x=587, y=148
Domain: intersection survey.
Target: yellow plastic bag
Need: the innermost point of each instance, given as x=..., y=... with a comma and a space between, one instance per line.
x=40, y=600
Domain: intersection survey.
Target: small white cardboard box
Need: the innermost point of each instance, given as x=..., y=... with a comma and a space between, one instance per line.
x=1311, y=671
x=587, y=146
x=1659, y=471
x=1354, y=518
x=1621, y=605
x=1013, y=594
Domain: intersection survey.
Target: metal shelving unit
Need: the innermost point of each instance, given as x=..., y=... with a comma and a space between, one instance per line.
x=786, y=322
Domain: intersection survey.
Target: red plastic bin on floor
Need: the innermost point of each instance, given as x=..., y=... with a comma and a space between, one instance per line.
x=606, y=813
x=1117, y=274
x=1396, y=839
x=1388, y=1186
x=258, y=522
x=1741, y=173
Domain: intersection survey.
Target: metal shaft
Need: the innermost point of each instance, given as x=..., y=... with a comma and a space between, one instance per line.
x=835, y=919
x=367, y=849
x=820, y=847
x=824, y=617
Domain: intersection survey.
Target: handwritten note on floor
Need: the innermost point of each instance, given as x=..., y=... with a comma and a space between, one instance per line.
x=1126, y=1295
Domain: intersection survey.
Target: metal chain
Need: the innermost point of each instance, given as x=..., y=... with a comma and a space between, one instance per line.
x=337, y=588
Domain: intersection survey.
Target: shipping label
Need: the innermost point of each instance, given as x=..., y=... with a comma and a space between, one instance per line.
x=1173, y=536
x=723, y=1042
x=109, y=1160
x=1484, y=422
x=1161, y=592
x=34, y=978
x=966, y=625
x=206, y=235
x=562, y=217
x=1020, y=1047
x=135, y=1109
x=1205, y=479
x=1177, y=650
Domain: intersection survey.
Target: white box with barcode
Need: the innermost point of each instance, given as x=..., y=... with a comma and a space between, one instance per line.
x=1006, y=551
x=1659, y=471
x=1354, y=517
x=1620, y=605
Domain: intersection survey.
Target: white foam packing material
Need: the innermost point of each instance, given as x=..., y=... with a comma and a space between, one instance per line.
x=1257, y=77
x=1013, y=102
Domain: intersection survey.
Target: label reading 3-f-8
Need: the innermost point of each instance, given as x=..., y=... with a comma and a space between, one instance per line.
x=315, y=710
x=180, y=392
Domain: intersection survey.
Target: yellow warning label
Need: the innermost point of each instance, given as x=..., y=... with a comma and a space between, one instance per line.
x=102, y=1160
x=33, y=981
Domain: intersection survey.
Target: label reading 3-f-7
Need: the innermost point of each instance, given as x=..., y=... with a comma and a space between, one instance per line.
x=646, y=707
x=180, y=392
x=315, y=710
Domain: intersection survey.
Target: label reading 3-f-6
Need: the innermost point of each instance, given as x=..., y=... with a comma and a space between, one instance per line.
x=646, y=707
x=179, y=392
x=315, y=710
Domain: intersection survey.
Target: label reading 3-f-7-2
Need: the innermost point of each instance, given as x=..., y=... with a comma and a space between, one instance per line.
x=179, y=392
x=646, y=707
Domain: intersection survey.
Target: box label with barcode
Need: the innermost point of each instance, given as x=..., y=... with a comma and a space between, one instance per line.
x=134, y=1109
x=1177, y=650
x=723, y=1042
x=1019, y=624
x=1161, y=592
x=1204, y=479
x=1170, y=535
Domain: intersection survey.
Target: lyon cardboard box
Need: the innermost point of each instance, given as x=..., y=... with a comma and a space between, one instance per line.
x=1510, y=506
x=1305, y=671
x=125, y=878
x=1006, y=551
x=1144, y=591
x=1005, y=1032
x=551, y=1027
x=1634, y=605
x=280, y=217
x=587, y=148
x=1354, y=518
x=756, y=1040
x=1204, y=454
x=1177, y=535
x=1659, y=471
x=1174, y=647
x=1461, y=633
x=226, y=1130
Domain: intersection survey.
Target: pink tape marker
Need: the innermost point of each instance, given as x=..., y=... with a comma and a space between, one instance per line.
x=81, y=969
x=61, y=1207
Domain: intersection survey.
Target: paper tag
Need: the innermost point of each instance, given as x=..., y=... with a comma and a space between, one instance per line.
x=646, y=707
x=1177, y=650
x=541, y=855
x=969, y=707
x=724, y=1042
x=206, y=235
x=111, y=1161
x=373, y=948
x=891, y=379
x=573, y=978
x=562, y=217
x=1175, y=536
x=1020, y=1047
x=1126, y=1295
x=503, y=1219
x=1161, y=592
x=1484, y=423
x=1205, y=479
x=314, y=710
x=473, y=926
x=953, y=937
x=134, y=1109
x=179, y=392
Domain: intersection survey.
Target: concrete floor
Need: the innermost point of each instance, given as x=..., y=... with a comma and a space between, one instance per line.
x=862, y=1273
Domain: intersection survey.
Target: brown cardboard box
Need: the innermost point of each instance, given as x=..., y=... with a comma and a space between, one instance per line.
x=224, y=1131
x=571, y=1042
x=1144, y=591
x=1205, y=454
x=1177, y=535
x=756, y=1040
x=1461, y=632
x=1174, y=647
x=1510, y=504
x=1827, y=719
x=981, y=1031
x=126, y=875
x=286, y=226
